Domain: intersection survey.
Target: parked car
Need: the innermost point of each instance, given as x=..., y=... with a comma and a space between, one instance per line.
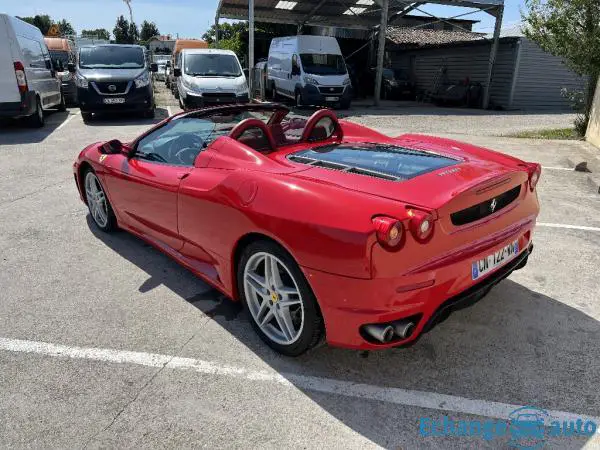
x=161, y=72
x=208, y=77
x=322, y=228
x=310, y=70
x=28, y=76
x=168, y=74
x=63, y=50
x=114, y=77
x=180, y=44
x=396, y=85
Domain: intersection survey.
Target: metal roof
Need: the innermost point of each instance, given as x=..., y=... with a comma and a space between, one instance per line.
x=361, y=14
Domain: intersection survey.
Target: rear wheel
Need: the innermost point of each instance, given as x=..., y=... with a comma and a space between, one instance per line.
x=37, y=120
x=282, y=306
x=98, y=203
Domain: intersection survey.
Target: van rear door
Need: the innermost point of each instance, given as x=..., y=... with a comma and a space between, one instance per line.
x=9, y=91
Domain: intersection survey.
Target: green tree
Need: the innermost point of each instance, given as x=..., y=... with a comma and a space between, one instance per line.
x=121, y=31
x=569, y=29
x=98, y=33
x=43, y=22
x=148, y=30
x=65, y=28
x=134, y=34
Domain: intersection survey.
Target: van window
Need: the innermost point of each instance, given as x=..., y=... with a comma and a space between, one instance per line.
x=212, y=65
x=323, y=64
x=107, y=57
x=32, y=51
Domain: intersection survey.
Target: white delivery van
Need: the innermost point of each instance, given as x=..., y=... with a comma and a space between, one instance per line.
x=209, y=77
x=28, y=81
x=309, y=69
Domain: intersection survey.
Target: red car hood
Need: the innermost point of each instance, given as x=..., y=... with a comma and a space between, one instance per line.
x=476, y=171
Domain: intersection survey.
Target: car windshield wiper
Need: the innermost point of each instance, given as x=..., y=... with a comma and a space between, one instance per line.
x=151, y=156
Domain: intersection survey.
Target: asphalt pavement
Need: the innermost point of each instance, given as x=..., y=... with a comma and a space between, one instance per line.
x=105, y=342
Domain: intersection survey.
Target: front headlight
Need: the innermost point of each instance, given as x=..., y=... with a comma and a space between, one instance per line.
x=310, y=80
x=142, y=81
x=242, y=89
x=347, y=82
x=81, y=82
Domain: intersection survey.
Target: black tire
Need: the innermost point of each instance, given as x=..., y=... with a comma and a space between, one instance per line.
x=111, y=223
x=150, y=113
x=86, y=116
x=37, y=120
x=298, y=99
x=62, y=106
x=313, y=329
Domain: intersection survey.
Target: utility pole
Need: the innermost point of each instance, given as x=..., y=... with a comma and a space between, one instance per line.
x=128, y=3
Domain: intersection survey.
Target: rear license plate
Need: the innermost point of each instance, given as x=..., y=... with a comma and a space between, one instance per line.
x=331, y=99
x=495, y=260
x=114, y=101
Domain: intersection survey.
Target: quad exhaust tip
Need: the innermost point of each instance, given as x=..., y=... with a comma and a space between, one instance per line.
x=384, y=333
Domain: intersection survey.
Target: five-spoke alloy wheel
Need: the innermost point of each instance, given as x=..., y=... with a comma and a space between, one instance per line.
x=283, y=308
x=98, y=203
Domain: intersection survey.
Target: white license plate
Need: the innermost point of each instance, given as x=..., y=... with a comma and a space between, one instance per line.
x=331, y=99
x=114, y=101
x=495, y=260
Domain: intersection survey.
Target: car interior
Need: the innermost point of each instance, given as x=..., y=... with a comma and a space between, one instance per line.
x=263, y=129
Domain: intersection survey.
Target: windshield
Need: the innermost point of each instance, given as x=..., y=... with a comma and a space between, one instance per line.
x=212, y=65
x=319, y=64
x=62, y=56
x=105, y=57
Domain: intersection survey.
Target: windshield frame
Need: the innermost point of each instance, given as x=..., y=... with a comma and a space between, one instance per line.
x=88, y=66
x=188, y=57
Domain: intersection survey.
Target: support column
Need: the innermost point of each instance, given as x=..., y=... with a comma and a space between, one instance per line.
x=217, y=31
x=498, y=13
x=250, y=34
x=381, y=49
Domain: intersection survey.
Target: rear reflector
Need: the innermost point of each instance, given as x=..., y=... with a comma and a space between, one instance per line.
x=21, y=78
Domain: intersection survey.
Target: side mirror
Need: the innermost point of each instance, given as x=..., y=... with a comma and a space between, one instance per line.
x=115, y=147
x=71, y=68
x=177, y=72
x=153, y=67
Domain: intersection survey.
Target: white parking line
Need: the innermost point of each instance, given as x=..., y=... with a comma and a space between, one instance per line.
x=570, y=227
x=67, y=121
x=396, y=396
x=557, y=168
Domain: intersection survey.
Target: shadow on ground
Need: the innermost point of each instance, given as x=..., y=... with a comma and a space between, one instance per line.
x=115, y=118
x=18, y=131
x=515, y=346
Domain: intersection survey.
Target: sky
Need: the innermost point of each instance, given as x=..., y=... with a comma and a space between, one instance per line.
x=188, y=18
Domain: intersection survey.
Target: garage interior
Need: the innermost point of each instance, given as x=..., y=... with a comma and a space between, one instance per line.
x=361, y=26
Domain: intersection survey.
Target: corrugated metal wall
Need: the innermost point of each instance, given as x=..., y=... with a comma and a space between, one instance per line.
x=461, y=61
x=540, y=78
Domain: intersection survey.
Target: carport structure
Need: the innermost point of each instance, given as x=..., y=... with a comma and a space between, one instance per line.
x=374, y=15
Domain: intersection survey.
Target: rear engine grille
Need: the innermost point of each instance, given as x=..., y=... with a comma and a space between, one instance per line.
x=486, y=208
x=336, y=90
x=343, y=168
x=119, y=87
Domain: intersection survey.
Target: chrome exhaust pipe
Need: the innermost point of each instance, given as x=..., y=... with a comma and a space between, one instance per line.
x=383, y=333
x=403, y=328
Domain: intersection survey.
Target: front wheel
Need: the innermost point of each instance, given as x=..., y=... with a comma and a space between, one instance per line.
x=299, y=103
x=282, y=306
x=98, y=203
x=62, y=106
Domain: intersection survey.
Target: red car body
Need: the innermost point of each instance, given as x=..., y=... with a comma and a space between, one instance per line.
x=203, y=214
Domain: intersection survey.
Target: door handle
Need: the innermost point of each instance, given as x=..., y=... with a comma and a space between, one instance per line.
x=182, y=175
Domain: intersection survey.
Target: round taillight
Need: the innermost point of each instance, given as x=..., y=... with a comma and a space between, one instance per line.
x=534, y=177
x=389, y=230
x=421, y=224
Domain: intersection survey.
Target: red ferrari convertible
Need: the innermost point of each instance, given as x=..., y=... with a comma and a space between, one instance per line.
x=324, y=229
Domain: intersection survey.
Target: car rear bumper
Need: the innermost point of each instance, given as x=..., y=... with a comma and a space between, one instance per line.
x=135, y=100
x=318, y=96
x=25, y=107
x=425, y=299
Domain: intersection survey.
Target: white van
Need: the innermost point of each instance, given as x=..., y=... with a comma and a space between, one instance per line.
x=309, y=69
x=28, y=81
x=209, y=77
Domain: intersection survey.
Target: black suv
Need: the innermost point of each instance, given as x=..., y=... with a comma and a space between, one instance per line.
x=114, y=78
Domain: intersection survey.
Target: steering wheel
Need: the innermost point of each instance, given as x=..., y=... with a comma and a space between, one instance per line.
x=239, y=129
x=184, y=148
x=312, y=122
